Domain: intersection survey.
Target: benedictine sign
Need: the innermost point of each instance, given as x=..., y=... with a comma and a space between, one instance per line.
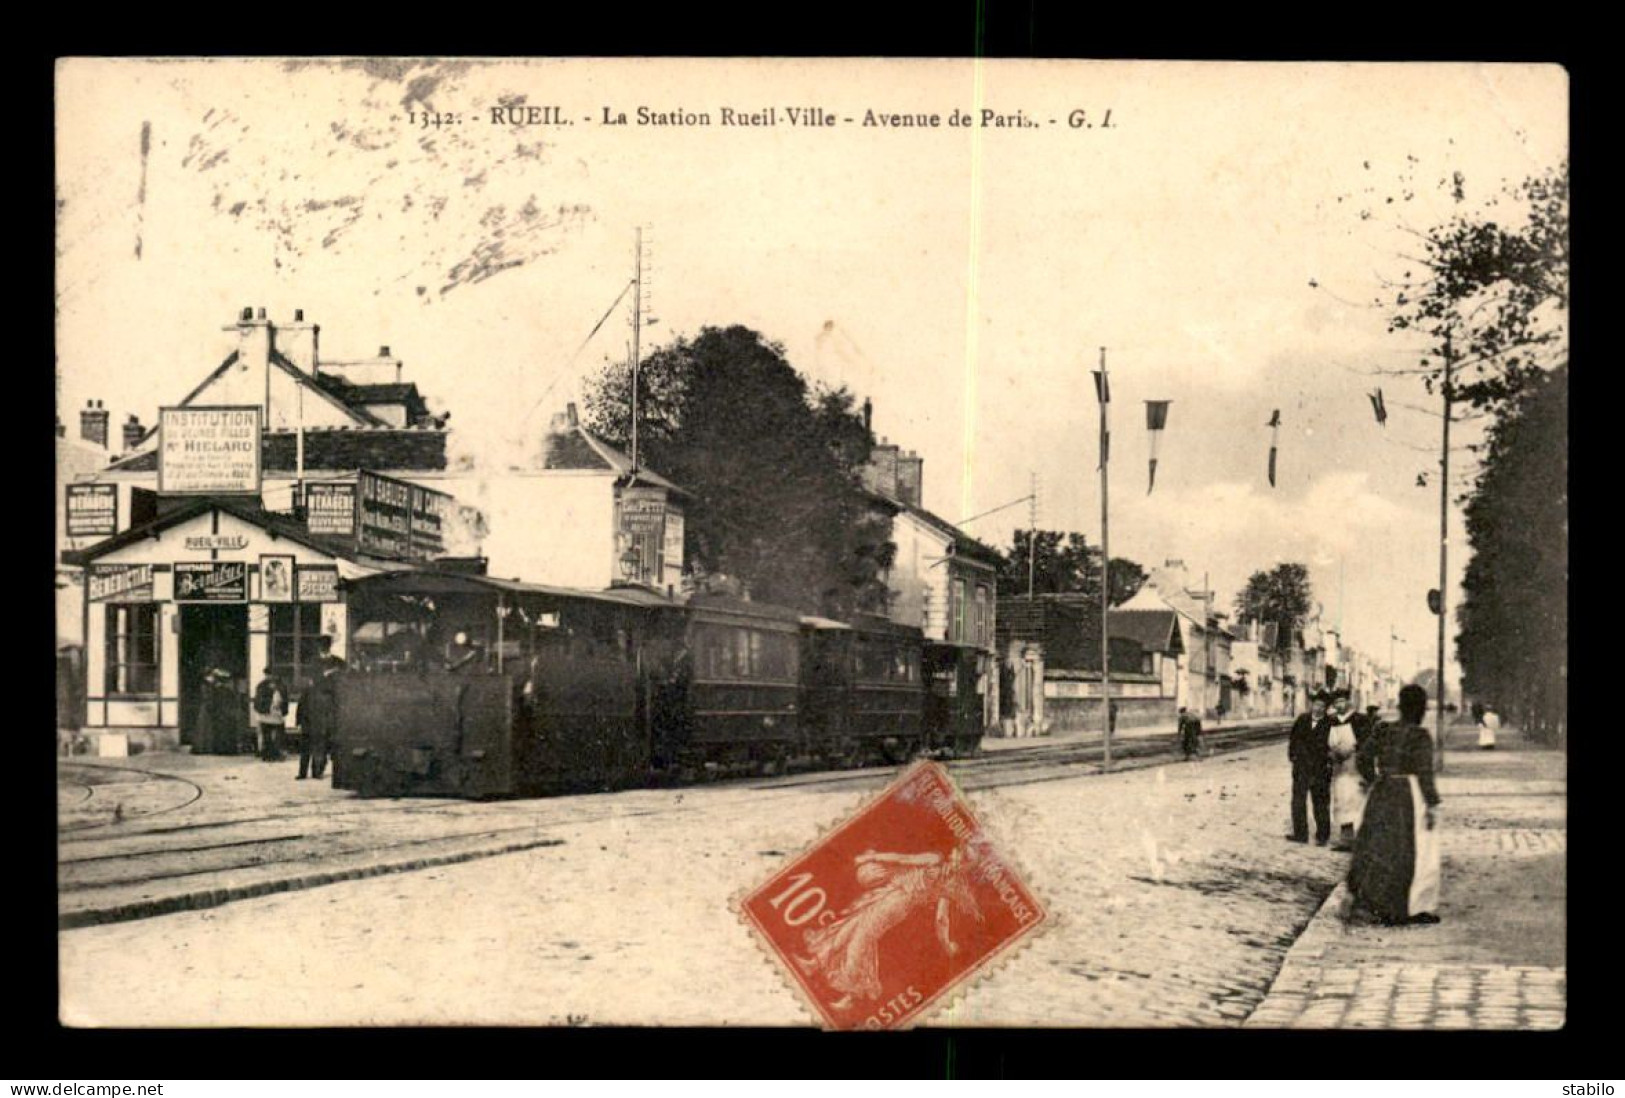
x=209, y=451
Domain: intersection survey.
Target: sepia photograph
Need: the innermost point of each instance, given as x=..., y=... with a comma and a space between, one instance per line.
x=848, y=544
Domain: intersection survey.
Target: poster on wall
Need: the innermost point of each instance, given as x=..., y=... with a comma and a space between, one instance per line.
x=92, y=510
x=398, y=519
x=276, y=578
x=211, y=581
x=209, y=451
x=317, y=582
x=330, y=509
x=119, y=583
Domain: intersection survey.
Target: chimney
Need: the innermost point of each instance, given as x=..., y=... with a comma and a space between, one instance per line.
x=298, y=342
x=93, y=423
x=253, y=342
x=570, y=413
x=868, y=414
x=133, y=433
x=910, y=477
x=881, y=472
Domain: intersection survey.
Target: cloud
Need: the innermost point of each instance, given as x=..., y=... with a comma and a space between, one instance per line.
x=1231, y=529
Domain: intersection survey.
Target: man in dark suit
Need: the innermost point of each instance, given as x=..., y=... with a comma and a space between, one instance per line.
x=1311, y=772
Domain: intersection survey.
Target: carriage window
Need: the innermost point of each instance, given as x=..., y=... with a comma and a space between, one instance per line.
x=777, y=658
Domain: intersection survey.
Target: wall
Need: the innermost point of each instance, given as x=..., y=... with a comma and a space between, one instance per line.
x=159, y=716
x=1071, y=705
x=553, y=527
x=919, y=591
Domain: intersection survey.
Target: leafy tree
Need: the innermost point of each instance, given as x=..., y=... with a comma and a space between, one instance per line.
x=1491, y=289
x=1281, y=596
x=1492, y=286
x=774, y=467
x=1063, y=563
x=1513, y=642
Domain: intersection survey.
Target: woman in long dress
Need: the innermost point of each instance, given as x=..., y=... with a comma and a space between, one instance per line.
x=1348, y=793
x=1395, y=872
x=847, y=951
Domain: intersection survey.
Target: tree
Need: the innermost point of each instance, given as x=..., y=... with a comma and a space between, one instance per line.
x=1513, y=618
x=1063, y=563
x=1492, y=292
x=1280, y=596
x=774, y=467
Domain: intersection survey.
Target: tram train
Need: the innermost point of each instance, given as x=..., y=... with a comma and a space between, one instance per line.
x=465, y=685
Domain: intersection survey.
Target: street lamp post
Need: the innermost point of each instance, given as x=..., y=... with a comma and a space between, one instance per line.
x=1105, y=394
x=1444, y=552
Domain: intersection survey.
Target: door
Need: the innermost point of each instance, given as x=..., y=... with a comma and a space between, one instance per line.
x=211, y=637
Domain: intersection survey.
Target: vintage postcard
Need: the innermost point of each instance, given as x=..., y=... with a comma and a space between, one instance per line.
x=855, y=543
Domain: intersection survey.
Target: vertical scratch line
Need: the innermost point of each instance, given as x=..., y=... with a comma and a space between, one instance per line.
x=972, y=289
x=141, y=192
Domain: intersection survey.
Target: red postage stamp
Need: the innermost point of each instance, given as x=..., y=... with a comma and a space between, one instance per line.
x=892, y=910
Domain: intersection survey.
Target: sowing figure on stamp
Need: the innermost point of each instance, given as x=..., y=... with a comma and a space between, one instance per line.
x=847, y=951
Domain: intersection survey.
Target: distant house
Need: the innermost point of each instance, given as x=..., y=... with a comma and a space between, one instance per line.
x=1062, y=633
x=579, y=515
x=1205, y=682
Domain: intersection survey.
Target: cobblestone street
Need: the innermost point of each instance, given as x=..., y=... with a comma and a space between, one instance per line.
x=1497, y=958
x=1174, y=898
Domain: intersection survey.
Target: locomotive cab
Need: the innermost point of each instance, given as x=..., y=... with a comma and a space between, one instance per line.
x=469, y=686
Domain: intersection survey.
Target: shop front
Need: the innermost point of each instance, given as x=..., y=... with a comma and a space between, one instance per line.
x=184, y=615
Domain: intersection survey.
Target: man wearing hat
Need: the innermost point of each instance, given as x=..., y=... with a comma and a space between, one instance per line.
x=1311, y=771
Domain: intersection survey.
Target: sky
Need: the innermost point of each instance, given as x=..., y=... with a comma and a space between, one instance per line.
x=1209, y=235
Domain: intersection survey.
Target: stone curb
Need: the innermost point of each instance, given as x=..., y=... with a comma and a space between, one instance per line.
x=214, y=897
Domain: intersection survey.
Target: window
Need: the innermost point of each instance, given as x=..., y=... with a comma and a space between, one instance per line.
x=982, y=638
x=132, y=649
x=296, y=630
x=723, y=652
x=961, y=597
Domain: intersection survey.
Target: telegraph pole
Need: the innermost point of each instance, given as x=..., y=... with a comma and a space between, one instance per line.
x=1444, y=550
x=637, y=327
x=1105, y=570
x=1032, y=535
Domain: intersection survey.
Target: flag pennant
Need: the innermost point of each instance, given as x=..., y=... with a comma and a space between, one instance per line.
x=1156, y=418
x=1378, y=407
x=1275, y=438
x=1103, y=387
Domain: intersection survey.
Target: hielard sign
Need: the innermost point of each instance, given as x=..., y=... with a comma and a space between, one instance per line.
x=209, y=451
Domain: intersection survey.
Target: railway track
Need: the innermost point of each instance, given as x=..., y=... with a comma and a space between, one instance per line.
x=84, y=803
x=116, y=869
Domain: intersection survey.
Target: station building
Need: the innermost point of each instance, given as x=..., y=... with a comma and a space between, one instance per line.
x=217, y=541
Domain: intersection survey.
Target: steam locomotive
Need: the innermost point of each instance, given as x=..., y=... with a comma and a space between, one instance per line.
x=464, y=685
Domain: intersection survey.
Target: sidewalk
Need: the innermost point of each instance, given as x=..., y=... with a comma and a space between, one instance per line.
x=1497, y=959
x=1086, y=736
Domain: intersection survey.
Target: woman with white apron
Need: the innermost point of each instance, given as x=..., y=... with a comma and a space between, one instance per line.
x=1395, y=872
x=1348, y=794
